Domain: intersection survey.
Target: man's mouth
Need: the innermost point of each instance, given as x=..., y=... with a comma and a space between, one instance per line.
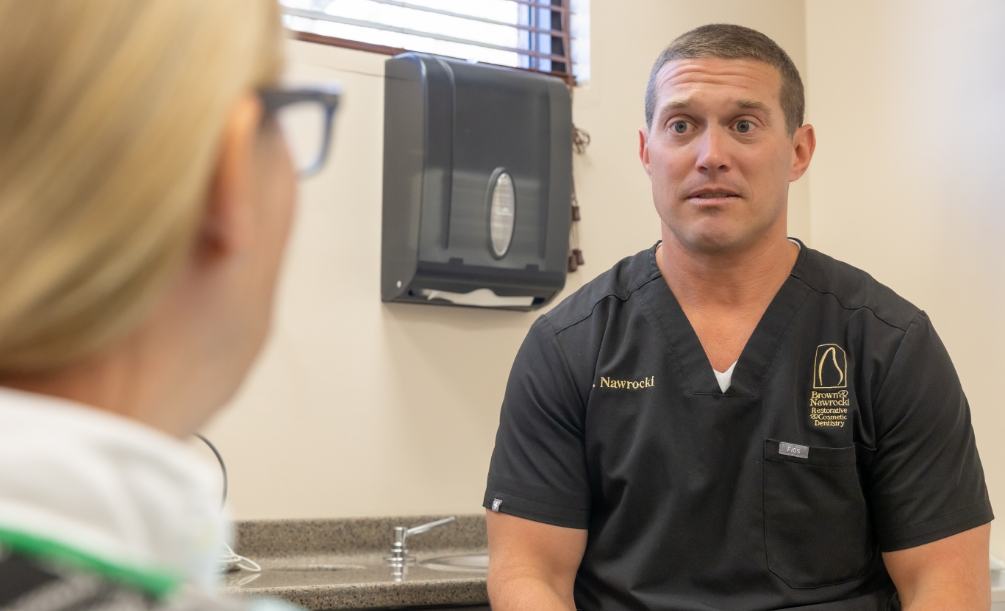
x=712, y=194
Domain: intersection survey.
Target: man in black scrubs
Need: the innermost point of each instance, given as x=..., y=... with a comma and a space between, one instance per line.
x=730, y=419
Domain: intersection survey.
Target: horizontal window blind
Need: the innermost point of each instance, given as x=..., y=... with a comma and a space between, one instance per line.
x=550, y=36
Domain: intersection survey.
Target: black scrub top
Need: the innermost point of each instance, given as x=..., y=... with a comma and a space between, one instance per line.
x=844, y=433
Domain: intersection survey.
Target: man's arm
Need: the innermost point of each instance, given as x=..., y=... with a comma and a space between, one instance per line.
x=951, y=573
x=926, y=487
x=532, y=566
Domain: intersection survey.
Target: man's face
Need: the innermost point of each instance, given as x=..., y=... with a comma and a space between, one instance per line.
x=719, y=155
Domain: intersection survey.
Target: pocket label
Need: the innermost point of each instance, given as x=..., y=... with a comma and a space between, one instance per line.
x=793, y=449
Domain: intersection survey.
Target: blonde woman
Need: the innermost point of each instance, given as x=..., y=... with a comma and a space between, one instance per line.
x=146, y=194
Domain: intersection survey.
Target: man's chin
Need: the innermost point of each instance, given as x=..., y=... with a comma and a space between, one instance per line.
x=711, y=242
x=714, y=236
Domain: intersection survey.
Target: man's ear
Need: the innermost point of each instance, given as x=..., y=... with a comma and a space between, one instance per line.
x=644, y=151
x=804, y=142
x=227, y=218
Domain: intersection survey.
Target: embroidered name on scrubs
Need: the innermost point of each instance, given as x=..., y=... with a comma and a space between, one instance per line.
x=647, y=382
x=829, y=402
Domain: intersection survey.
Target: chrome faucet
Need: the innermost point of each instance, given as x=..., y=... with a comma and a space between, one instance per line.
x=399, y=549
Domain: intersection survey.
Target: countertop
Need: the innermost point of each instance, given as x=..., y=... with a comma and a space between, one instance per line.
x=341, y=564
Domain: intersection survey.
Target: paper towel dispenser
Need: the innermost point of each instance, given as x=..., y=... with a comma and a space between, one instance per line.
x=477, y=180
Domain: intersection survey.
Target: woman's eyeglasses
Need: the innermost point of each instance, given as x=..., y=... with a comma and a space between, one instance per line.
x=305, y=115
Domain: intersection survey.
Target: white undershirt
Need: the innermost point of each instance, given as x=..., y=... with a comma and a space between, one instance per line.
x=725, y=378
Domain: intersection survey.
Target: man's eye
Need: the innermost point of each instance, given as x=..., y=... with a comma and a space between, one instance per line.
x=744, y=126
x=678, y=127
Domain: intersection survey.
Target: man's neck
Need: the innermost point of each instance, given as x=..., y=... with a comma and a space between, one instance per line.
x=729, y=279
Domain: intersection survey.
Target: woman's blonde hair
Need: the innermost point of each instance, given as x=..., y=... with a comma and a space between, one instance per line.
x=111, y=113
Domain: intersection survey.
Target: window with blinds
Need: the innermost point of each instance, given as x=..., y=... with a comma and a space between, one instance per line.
x=550, y=36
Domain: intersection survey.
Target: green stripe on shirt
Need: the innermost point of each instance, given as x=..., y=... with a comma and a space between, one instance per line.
x=157, y=585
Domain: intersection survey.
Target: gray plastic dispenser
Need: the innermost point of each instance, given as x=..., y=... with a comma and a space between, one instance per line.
x=477, y=173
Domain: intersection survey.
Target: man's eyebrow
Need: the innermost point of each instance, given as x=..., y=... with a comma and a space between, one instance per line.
x=753, y=105
x=670, y=106
x=677, y=103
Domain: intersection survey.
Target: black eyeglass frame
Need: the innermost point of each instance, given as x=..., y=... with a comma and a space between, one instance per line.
x=274, y=98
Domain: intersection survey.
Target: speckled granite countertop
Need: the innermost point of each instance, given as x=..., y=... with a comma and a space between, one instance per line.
x=340, y=564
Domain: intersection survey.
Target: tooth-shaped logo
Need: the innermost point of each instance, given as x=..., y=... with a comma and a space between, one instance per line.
x=830, y=367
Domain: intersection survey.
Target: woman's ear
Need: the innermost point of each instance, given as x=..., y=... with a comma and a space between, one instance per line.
x=227, y=217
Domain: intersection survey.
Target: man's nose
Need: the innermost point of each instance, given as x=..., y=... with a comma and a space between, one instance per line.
x=713, y=155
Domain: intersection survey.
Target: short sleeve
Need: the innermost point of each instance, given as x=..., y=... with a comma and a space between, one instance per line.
x=538, y=467
x=926, y=479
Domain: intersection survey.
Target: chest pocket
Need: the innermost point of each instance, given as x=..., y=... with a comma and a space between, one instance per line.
x=816, y=522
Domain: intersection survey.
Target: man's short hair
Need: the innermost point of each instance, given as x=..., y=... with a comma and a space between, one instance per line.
x=727, y=41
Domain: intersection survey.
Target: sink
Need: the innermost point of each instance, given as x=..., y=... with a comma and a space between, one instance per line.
x=464, y=563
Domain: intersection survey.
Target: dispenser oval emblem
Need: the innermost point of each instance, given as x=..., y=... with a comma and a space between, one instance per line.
x=502, y=212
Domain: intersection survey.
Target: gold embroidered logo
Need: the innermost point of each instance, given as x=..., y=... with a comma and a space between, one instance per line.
x=830, y=367
x=647, y=382
x=829, y=399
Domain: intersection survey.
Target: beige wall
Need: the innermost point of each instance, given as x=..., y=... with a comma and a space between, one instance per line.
x=359, y=408
x=907, y=98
